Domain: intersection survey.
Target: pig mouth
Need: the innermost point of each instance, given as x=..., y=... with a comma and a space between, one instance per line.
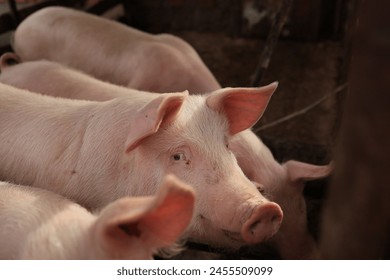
x=232, y=235
x=235, y=236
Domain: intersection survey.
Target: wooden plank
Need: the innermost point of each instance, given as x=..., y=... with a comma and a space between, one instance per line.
x=357, y=217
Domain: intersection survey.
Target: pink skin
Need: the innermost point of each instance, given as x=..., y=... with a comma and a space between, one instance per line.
x=293, y=239
x=39, y=224
x=284, y=185
x=130, y=47
x=143, y=136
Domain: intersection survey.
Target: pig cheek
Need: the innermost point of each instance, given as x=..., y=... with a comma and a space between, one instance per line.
x=187, y=172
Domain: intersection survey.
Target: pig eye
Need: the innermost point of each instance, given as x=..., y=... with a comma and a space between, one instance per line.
x=179, y=156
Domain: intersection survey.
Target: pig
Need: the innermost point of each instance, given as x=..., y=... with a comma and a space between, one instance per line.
x=40, y=224
x=283, y=183
x=95, y=152
x=111, y=42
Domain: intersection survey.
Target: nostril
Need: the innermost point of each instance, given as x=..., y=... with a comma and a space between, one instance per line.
x=252, y=228
x=263, y=223
x=277, y=218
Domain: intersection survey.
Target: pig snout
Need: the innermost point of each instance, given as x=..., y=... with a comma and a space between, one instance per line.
x=263, y=223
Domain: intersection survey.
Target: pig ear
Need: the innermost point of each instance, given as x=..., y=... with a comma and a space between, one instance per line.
x=300, y=171
x=147, y=121
x=9, y=59
x=243, y=107
x=155, y=221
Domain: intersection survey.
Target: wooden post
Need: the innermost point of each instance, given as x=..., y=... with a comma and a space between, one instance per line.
x=356, y=222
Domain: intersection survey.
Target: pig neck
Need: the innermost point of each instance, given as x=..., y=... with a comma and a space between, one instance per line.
x=40, y=137
x=103, y=166
x=70, y=147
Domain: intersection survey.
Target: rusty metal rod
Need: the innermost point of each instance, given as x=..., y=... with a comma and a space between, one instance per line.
x=270, y=43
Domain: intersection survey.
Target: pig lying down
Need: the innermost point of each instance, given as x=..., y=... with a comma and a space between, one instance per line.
x=169, y=64
x=107, y=50
x=282, y=183
x=96, y=152
x=39, y=224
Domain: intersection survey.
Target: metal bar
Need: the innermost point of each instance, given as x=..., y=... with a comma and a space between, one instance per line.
x=14, y=11
x=271, y=41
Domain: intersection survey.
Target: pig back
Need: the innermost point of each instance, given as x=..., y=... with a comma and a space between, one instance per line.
x=53, y=32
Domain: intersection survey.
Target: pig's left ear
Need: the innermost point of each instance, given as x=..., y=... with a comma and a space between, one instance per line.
x=243, y=107
x=300, y=171
x=147, y=121
x=155, y=221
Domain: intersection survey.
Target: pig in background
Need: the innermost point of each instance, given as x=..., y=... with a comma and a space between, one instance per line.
x=40, y=224
x=111, y=52
x=96, y=152
x=281, y=183
x=284, y=184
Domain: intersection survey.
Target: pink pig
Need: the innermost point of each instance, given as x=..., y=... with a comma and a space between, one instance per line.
x=40, y=224
x=96, y=152
x=107, y=50
x=282, y=183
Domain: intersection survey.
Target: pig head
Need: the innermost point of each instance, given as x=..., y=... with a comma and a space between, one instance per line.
x=136, y=139
x=188, y=136
x=282, y=183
